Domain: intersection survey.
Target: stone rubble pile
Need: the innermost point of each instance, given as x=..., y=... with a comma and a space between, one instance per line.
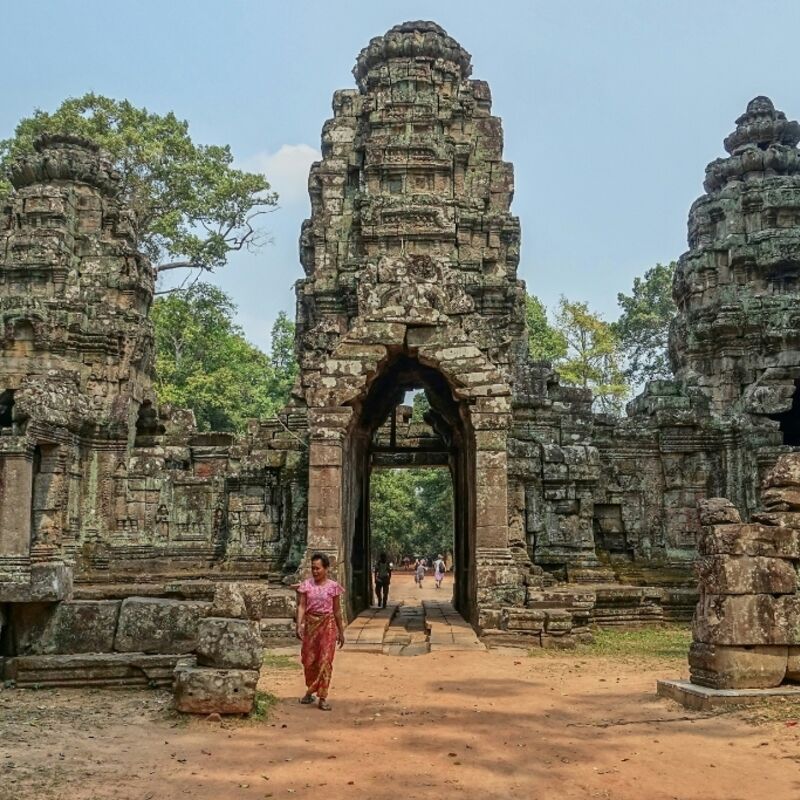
x=746, y=626
x=222, y=676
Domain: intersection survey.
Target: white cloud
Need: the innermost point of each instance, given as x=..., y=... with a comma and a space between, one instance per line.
x=286, y=170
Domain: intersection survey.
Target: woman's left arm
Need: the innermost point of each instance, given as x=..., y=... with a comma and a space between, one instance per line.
x=337, y=613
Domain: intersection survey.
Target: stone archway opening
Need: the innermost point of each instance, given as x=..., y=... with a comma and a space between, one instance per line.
x=376, y=441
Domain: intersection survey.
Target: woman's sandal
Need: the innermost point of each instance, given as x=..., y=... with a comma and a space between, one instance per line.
x=323, y=705
x=307, y=699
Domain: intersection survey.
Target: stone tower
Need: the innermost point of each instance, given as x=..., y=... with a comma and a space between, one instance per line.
x=75, y=357
x=411, y=256
x=737, y=334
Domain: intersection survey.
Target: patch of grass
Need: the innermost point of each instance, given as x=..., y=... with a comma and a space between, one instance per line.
x=662, y=642
x=263, y=705
x=279, y=661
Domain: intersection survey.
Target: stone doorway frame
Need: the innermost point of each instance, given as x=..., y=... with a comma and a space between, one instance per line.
x=335, y=394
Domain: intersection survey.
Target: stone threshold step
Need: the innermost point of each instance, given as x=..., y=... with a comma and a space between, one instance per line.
x=703, y=698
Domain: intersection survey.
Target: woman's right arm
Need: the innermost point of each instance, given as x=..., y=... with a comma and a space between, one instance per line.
x=301, y=613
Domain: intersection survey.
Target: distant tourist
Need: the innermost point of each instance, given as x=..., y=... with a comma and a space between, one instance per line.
x=419, y=574
x=439, y=568
x=383, y=577
x=320, y=628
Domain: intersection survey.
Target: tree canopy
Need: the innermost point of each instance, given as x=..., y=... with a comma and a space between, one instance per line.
x=643, y=325
x=205, y=363
x=192, y=208
x=545, y=342
x=411, y=512
x=593, y=358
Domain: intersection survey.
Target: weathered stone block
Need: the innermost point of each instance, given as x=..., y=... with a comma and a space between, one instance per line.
x=717, y=511
x=793, y=664
x=523, y=619
x=785, y=498
x=202, y=690
x=228, y=602
x=726, y=667
x=264, y=602
x=746, y=575
x=754, y=619
x=229, y=643
x=69, y=627
x=158, y=625
x=750, y=540
x=558, y=621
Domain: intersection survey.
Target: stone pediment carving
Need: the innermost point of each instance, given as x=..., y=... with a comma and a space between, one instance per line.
x=415, y=287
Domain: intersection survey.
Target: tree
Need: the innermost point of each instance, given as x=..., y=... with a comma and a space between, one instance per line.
x=545, y=342
x=593, y=355
x=205, y=363
x=283, y=359
x=411, y=512
x=643, y=326
x=191, y=207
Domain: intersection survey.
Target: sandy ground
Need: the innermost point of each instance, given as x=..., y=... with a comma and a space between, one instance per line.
x=472, y=725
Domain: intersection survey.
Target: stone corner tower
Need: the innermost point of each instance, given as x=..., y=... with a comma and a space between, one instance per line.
x=75, y=356
x=737, y=333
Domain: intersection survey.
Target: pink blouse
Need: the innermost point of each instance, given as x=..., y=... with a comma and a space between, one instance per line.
x=319, y=597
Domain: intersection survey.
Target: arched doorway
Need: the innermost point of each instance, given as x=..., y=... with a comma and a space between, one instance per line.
x=372, y=442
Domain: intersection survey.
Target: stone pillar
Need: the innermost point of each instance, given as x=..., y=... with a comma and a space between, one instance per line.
x=326, y=501
x=16, y=487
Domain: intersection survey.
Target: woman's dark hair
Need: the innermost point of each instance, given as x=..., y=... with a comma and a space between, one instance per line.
x=326, y=562
x=382, y=558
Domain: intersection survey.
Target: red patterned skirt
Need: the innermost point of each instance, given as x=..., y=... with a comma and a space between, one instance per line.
x=319, y=648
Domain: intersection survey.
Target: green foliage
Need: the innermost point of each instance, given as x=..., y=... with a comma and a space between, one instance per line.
x=411, y=512
x=593, y=355
x=191, y=207
x=545, y=342
x=283, y=359
x=204, y=362
x=643, y=326
x=262, y=706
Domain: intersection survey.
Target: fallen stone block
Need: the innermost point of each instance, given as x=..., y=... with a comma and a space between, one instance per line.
x=728, y=667
x=717, y=511
x=229, y=643
x=263, y=602
x=69, y=627
x=159, y=625
x=228, y=602
x=204, y=690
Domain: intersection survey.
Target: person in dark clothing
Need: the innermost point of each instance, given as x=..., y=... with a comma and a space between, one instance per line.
x=383, y=577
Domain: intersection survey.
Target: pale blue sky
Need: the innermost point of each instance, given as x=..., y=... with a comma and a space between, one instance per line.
x=611, y=109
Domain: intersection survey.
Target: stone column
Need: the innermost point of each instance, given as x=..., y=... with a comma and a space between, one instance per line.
x=16, y=487
x=326, y=484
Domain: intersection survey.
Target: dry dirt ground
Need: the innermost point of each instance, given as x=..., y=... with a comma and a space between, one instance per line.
x=474, y=725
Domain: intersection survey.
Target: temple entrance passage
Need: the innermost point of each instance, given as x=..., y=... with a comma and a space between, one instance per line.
x=409, y=460
x=411, y=525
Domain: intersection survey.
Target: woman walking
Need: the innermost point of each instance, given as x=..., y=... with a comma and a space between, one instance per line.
x=320, y=628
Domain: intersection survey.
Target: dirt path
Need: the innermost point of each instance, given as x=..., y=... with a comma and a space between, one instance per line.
x=472, y=725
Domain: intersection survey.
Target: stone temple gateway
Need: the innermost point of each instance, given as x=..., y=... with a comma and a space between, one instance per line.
x=118, y=519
